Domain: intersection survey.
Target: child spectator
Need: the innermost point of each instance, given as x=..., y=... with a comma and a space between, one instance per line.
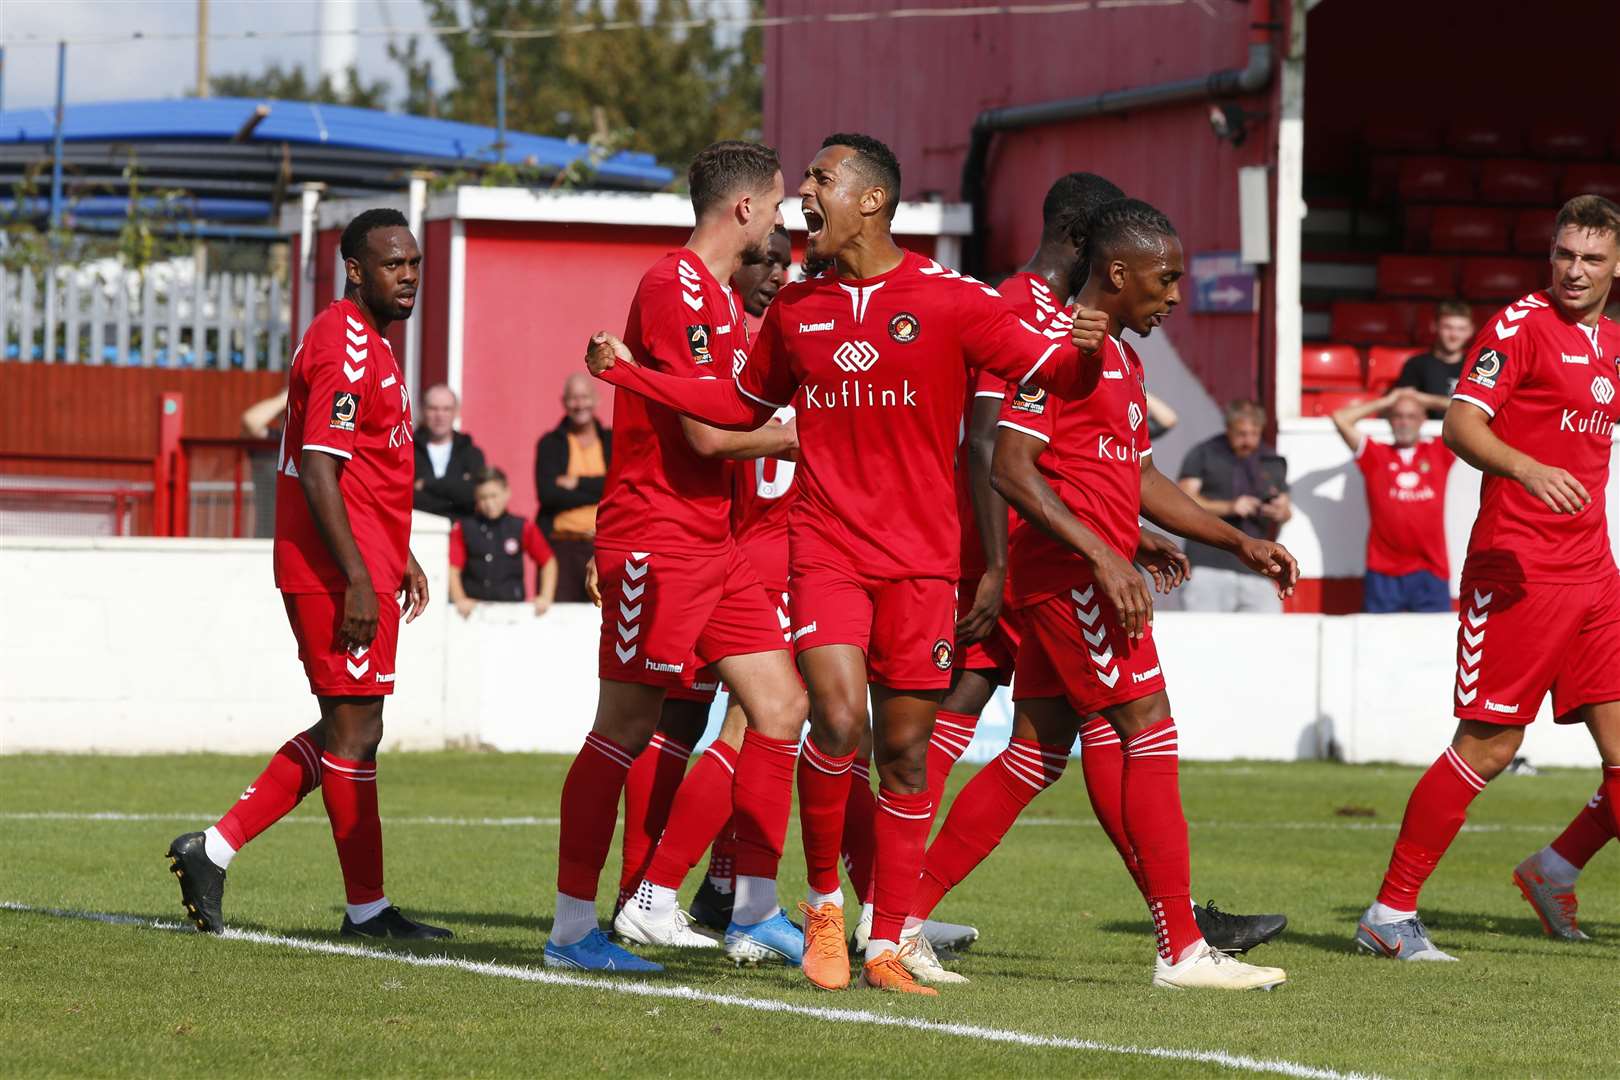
x=486, y=552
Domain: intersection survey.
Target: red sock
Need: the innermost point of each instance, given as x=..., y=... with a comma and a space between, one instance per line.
x=860, y=811
x=981, y=814
x=1592, y=828
x=953, y=731
x=1611, y=794
x=702, y=808
x=762, y=799
x=294, y=772
x=590, y=799
x=1102, y=763
x=901, y=838
x=649, y=793
x=723, y=852
x=1434, y=814
x=823, y=793
x=350, y=791
x=1157, y=829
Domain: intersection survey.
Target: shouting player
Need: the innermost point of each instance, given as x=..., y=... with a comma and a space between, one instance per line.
x=1534, y=411
x=678, y=594
x=880, y=353
x=344, y=567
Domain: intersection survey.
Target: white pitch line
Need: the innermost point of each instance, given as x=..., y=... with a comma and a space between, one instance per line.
x=551, y=822
x=639, y=988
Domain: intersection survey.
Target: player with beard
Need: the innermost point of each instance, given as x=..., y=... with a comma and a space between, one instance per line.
x=344, y=566
x=880, y=353
x=678, y=593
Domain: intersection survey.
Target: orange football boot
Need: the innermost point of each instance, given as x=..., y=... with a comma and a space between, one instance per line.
x=826, y=954
x=888, y=973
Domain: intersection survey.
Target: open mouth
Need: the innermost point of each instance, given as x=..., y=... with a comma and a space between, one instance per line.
x=405, y=300
x=813, y=223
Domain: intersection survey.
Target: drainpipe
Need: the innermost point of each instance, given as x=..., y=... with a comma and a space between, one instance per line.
x=1252, y=78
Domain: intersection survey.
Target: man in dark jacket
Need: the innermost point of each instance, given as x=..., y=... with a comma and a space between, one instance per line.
x=447, y=462
x=570, y=468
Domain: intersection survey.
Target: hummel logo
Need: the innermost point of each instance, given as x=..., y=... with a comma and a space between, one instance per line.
x=1582, y=359
x=815, y=327
x=658, y=665
x=1492, y=706
x=246, y=794
x=1144, y=676
x=808, y=628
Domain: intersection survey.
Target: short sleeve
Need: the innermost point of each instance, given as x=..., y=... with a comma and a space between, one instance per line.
x=1412, y=373
x=535, y=544
x=767, y=377
x=341, y=389
x=1194, y=464
x=1369, y=455
x=458, y=547
x=1495, y=365
x=988, y=384
x=1031, y=411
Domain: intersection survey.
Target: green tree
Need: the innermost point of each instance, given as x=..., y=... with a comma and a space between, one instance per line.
x=291, y=84
x=656, y=86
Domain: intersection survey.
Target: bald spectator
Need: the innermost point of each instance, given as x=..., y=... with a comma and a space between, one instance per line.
x=447, y=463
x=1407, y=565
x=1236, y=478
x=570, y=467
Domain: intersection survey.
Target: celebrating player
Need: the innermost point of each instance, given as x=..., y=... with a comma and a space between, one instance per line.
x=678, y=594
x=1535, y=412
x=880, y=354
x=344, y=567
x=1078, y=467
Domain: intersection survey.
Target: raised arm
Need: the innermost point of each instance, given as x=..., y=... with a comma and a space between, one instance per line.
x=1018, y=479
x=773, y=439
x=1346, y=419
x=1171, y=508
x=718, y=402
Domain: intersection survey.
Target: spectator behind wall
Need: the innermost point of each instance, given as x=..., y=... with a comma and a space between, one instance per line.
x=1434, y=374
x=487, y=549
x=447, y=463
x=1233, y=477
x=263, y=420
x=570, y=467
x=1407, y=565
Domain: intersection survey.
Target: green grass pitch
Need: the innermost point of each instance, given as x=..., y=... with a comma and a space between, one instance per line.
x=1059, y=977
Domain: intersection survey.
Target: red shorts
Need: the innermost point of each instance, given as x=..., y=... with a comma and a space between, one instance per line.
x=1515, y=642
x=333, y=670
x=707, y=684
x=906, y=628
x=665, y=616
x=996, y=653
x=1073, y=647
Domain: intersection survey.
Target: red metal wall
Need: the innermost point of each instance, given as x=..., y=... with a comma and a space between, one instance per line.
x=918, y=83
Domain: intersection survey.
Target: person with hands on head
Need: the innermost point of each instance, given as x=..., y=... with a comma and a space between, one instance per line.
x=1408, y=568
x=1079, y=470
x=348, y=579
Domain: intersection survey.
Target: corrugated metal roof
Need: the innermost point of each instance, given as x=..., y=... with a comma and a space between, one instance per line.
x=335, y=126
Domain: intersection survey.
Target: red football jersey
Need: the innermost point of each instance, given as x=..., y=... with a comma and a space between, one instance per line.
x=1031, y=298
x=1406, y=499
x=660, y=495
x=882, y=367
x=762, y=494
x=1096, y=441
x=1548, y=385
x=346, y=397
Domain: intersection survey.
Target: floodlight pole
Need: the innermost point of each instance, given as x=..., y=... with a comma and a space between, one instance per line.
x=202, y=48
x=56, y=138
x=2, y=78
x=500, y=105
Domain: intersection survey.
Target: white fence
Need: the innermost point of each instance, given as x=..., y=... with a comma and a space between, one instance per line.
x=159, y=317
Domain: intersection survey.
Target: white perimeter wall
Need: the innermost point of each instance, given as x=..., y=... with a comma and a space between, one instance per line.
x=134, y=646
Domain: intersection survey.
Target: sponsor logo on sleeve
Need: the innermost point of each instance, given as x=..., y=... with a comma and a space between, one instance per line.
x=904, y=327
x=1030, y=400
x=345, y=407
x=697, y=340
x=1487, y=368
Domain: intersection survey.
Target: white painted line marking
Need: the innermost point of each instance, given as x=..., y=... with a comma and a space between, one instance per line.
x=638, y=988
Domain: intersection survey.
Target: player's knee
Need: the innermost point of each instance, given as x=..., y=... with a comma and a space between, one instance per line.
x=837, y=726
x=906, y=774
x=782, y=714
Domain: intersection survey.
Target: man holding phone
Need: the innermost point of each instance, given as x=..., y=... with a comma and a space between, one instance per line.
x=1234, y=477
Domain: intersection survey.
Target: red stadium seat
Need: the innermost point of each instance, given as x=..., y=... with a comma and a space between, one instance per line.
x=1417, y=222
x=1417, y=275
x=1436, y=179
x=1371, y=324
x=1533, y=230
x=1330, y=366
x=1327, y=402
x=1400, y=136
x=1565, y=139
x=1591, y=179
x=1518, y=181
x=1483, y=139
x=1501, y=279
x=1384, y=364
x=1468, y=228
